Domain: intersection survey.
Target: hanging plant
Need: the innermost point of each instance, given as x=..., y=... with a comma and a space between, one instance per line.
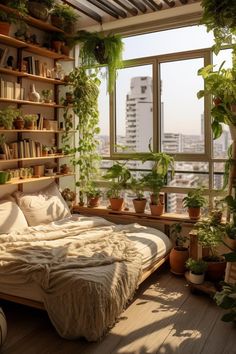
x=101, y=49
x=85, y=90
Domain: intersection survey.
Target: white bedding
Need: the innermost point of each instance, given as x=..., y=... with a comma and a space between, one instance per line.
x=83, y=269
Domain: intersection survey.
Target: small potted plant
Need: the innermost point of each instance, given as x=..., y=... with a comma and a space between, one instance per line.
x=119, y=176
x=7, y=18
x=155, y=181
x=193, y=202
x=46, y=95
x=45, y=150
x=30, y=121
x=137, y=186
x=197, y=270
x=57, y=40
x=40, y=8
x=7, y=117
x=93, y=195
x=179, y=253
x=64, y=17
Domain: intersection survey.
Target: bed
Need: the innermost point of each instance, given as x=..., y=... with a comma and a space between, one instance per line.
x=82, y=270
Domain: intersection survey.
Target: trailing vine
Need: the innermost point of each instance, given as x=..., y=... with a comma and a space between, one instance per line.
x=85, y=90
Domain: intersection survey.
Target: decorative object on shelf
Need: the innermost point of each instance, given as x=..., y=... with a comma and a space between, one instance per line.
x=39, y=170
x=101, y=49
x=210, y=235
x=93, y=195
x=64, y=169
x=64, y=17
x=46, y=95
x=40, y=9
x=57, y=72
x=30, y=121
x=7, y=117
x=137, y=186
x=69, y=196
x=57, y=40
x=197, y=270
x=34, y=96
x=10, y=62
x=3, y=327
x=194, y=201
x=179, y=253
x=4, y=177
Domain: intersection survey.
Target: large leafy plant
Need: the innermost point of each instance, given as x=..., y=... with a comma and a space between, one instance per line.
x=98, y=48
x=194, y=199
x=119, y=176
x=226, y=299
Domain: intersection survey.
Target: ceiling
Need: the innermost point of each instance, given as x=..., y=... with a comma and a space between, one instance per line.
x=119, y=14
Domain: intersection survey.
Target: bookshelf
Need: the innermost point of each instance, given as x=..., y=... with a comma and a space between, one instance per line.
x=15, y=138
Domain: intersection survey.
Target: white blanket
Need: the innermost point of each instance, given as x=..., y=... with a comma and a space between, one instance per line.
x=87, y=268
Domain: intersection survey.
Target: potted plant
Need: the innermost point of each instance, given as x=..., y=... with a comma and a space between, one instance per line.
x=40, y=9
x=179, y=253
x=30, y=121
x=98, y=48
x=45, y=150
x=46, y=95
x=226, y=299
x=69, y=196
x=64, y=17
x=7, y=18
x=137, y=186
x=5, y=22
x=7, y=116
x=197, y=270
x=57, y=40
x=93, y=195
x=119, y=175
x=210, y=235
x=193, y=202
x=155, y=181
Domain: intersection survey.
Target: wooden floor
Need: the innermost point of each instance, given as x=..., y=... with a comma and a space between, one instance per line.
x=164, y=318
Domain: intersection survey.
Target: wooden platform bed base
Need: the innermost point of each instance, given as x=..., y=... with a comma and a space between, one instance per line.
x=39, y=305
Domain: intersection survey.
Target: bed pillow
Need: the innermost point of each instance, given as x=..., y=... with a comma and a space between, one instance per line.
x=11, y=216
x=44, y=206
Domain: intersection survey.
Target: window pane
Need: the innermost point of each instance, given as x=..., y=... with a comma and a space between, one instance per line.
x=182, y=118
x=190, y=175
x=219, y=169
x=134, y=108
x=163, y=42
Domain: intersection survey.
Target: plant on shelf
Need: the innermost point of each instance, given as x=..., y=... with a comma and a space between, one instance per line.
x=5, y=22
x=119, y=176
x=221, y=84
x=226, y=299
x=7, y=117
x=46, y=95
x=93, y=195
x=197, y=270
x=85, y=90
x=45, y=150
x=210, y=235
x=138, y=186
x=194, y=201
x=100, y=49
x=40, y=9
x=30, y=121
x=64, y=17
x=179, y=253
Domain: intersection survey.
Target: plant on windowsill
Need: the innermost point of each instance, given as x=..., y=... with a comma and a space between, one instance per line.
x=210, y=235
x=137, y=186
x=98, y=48
x=194, y=201
x=119, y=176
x=179, y=253
x=197, y=270
x=155, y=181
x=93, y=195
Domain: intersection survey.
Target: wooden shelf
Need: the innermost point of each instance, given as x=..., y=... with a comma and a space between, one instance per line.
x=33, y=179
x=45, y=26
x=23, y=102
x=3, y=131
x=31, y=48
x=12, y=72
x=50, y=156
x=31, y=77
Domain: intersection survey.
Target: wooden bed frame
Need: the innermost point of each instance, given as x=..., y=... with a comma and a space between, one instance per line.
x=40, y=305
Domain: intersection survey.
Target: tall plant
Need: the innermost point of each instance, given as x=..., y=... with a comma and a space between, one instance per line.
x=85, y=106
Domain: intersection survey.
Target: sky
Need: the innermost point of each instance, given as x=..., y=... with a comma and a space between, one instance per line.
x=180, y=83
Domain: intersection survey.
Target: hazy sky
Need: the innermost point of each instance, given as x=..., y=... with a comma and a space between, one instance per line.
x=182, y=110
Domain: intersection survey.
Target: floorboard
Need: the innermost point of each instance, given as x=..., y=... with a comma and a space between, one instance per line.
x=164, y=318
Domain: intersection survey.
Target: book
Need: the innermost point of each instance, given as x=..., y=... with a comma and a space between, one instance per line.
x=9, y=90
x=17, y=88
x=2, y=88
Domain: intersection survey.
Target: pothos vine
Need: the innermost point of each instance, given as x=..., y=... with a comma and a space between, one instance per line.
x=85, y=90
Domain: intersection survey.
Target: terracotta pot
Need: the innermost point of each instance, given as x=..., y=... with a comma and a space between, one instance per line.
x=194, y=213
x=117, y=203
x=38, y=10
x=217, y=101
x=178, y=258
x=56, y=45
x=161, y=198
x=215, y=270
x=230, y=242
x=44, y=153
x=139, y=205
x=93, y=202
x=19, y=123
x=39, y=170
x=156, y=210
x=4, y=28
x=57, y=21
x=30, y=125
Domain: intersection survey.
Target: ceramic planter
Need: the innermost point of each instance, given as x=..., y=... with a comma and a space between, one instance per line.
x=4, y=28
x=215, y=270
x=196, y=278
x=194, y=213
x=139, y=205
x=38, y=10
x=178, y=258
x=156, y=210
x=93, y=202
x=117, y=203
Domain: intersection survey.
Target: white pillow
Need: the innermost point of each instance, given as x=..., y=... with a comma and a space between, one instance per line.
x=44, y=206
x=11, y=217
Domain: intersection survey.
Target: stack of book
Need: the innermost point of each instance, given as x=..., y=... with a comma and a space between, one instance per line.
x=22, y=149
x=11, y=90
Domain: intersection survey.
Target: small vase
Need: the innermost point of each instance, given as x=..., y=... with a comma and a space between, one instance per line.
x=34, y=96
